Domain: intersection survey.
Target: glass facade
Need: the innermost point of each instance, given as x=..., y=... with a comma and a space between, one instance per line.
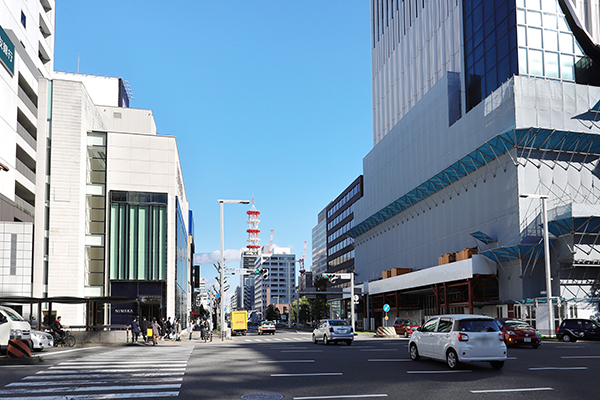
x=490, y=46
x=138, y=236
x=181, y=267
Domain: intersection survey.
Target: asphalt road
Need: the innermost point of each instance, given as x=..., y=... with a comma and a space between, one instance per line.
x=288, y=365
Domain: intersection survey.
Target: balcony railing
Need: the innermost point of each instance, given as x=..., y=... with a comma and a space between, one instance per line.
x=24, y=169
x=24, y=133
x=30, y=104
x=24, y=206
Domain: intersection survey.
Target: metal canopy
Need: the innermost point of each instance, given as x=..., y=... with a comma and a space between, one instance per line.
x=533, y=138
x=482, y=237
x=567, y=226
x=507, y=253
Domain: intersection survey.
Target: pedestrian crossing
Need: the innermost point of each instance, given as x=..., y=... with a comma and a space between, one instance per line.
x=130, y=373
x=277, y=339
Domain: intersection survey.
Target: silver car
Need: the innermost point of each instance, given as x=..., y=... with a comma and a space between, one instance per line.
x=333, y=330
x=41, y=340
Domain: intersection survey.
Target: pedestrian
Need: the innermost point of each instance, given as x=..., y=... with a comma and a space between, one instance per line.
x=178, y=329
x=168, y=327
x=135, y=330
x=155, y=332
x=144, y=329
x=191, y=328
x=161, y=323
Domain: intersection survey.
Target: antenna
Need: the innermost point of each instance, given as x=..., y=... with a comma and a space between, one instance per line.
x=271, y=243
x=302, y=259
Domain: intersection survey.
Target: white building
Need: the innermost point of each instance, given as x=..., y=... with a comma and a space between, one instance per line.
x=26, y=53
x=111, y=208
x=278, y=289
x=475, y=105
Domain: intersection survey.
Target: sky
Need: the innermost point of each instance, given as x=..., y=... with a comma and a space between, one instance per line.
x=269, y=100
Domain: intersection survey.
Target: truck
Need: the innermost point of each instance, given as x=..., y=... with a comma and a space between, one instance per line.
x=12, y=327
x=239, y=322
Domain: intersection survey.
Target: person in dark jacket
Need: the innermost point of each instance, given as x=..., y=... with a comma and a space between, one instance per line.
x=135, y=330
x=168, y=328
x=161, y=323
x=144, y=329
x=155, y=332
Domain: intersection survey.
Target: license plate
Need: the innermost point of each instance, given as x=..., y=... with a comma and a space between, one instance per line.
x=527, y=340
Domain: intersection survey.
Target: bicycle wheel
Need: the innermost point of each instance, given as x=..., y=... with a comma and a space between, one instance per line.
x=70, y=340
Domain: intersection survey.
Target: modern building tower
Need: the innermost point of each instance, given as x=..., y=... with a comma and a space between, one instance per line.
x=278, y=288
x=476, y=104
x=319, y=245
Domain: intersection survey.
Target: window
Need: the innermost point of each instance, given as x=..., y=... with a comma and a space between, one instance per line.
x=430, y=325
x=445, y=325
x=23, y=20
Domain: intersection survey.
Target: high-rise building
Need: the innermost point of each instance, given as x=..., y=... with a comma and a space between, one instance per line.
x=26, y=54
x=279, y=286
x=476, y=104
x=111, y=207
x=319, y=245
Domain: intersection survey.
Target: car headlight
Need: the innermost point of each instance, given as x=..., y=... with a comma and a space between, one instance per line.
x=16, y=334
x=511, y=333
x=37, y=335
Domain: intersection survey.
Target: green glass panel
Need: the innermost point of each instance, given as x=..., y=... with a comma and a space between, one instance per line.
x=133, y=227
x=143, y=243
x=114, y=243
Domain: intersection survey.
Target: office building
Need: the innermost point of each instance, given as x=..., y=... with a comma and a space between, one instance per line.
x=26, y=53
x=279, y=286
x=319, y=245
x=476, y=104
x=111, y=208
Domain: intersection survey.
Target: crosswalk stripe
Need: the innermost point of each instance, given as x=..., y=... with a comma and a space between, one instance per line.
x=89, y=382
x=111, y=396
x=95, y=376
x=70, y=389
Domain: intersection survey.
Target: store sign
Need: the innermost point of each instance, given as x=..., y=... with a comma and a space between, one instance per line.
x=7, y=51
x=124, y=311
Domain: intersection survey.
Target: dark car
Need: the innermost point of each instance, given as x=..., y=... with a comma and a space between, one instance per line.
x=571, y=330
x=405, y=326
x=519, y=333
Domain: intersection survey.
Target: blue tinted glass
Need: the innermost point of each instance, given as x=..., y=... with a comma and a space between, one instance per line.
x=491, y=83
x=488, y=9
x=479, y=67
x=502, y=46
x=490, y=58
x=477, y=17
x=504, y=70
x=477, y=37
x=490, y=40
x=502, y=27
x=478, y=52
x=488, y=26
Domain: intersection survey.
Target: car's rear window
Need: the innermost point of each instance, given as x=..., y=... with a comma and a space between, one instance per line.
x=338, y=323
x=477, y=325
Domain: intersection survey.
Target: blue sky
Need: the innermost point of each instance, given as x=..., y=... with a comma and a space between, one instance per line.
x=268, y=100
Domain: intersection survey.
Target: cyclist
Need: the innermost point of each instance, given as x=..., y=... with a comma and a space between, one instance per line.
x=57, y=328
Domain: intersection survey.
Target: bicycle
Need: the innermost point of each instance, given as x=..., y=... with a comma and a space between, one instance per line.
x=67, y=340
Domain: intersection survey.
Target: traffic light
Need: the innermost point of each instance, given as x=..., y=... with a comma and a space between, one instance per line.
x=263, y=271
x=331, y=277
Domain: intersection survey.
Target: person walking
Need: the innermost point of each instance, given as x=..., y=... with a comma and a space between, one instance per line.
x=155, y=332
x=144, y=329
x=135, y=330
x=161, y=323
x=178, y=329
x=191, y=327
x=168, y=327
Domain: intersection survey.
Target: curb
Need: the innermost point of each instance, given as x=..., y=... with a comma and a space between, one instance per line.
x=19, y=361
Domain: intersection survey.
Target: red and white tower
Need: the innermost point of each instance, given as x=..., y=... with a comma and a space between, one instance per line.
x=253, y=230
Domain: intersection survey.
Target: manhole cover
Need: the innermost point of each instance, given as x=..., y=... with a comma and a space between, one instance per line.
x=262, y=396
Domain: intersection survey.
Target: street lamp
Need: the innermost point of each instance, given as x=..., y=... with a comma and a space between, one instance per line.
x=222, y=269
x=544, y=197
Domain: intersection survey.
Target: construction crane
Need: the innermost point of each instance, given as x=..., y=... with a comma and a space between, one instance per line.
x=271, y=243
x=302, y=259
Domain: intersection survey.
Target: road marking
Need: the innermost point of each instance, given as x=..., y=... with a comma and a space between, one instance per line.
x=349, y=396
x=122, y=362
x=359, y=347
x=301, y=351
x=286, y=361
x=438, y=372
x=580, y=357
x=389, y=359
x=89, y=382
x=380, y=350
x=114, y=367
x=112, y=370
x=510, y=390
x=287, y=348
x=569, y=347
x=90, y=388
x=559, y=368
x=102, y=376
x=112, y=396
x=313, y=374
x=59, y=352
x=511, y=358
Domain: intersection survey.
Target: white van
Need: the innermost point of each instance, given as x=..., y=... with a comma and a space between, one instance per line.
x=12, y=327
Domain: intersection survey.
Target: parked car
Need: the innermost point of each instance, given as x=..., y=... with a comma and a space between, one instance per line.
x=41, y=340
x=571, y=330
x=518, y=332
x=266, y=327
x=333, y=330
x=12, y=327
x=405, y=326
x=459, y=338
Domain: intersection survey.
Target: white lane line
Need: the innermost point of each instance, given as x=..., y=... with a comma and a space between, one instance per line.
x=112, y=367
x=286, y=361
x=569, y=347
x=99, y=371
x=349, y=396
x=313, y=374
x=122, y=362
x=511, y=358
x=68, y=351
x=558, y=368
x=288, y=348
x=511, y=390
x=100, y=376
x=108, y=396
x=380, y=350
x=90, y=382
x=438, y=372
x=359, y=347
x=301, y=351
x=388, y=359
x=70, y=389
x=580, y=357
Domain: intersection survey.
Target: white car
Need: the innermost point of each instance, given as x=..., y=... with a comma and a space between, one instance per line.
x=333, y=330
x=459, y=338
x=41, y=340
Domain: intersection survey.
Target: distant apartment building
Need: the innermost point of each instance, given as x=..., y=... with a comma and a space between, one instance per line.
x=278, y=289
x=247, y=262
x=111, y=208
x=26, y=54
x=319, y=245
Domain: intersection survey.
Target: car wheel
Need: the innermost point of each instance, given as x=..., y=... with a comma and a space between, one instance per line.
x=314, y=339
x=452, y=359
x=349, y=342
x=497, y=364
x=325, y=340
x=414, y=352
x=272, y=333
x=567, y=338
x=535, y=346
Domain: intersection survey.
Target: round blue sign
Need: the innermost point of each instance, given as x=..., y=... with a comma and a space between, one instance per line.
x=386, y=307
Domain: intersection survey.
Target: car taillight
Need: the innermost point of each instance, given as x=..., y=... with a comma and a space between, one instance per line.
x=463, y=337
x=331, y=329
x=501, y=336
